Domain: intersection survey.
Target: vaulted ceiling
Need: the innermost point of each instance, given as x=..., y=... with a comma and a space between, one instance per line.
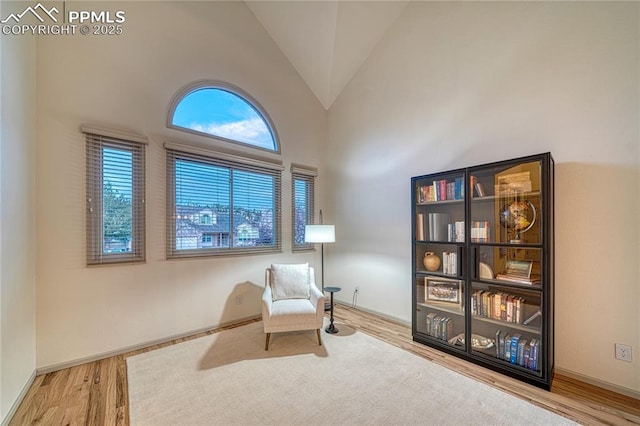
x=326, y=41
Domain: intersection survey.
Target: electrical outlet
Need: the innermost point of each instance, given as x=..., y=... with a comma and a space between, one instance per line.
x=239, y=300
x=623, y=352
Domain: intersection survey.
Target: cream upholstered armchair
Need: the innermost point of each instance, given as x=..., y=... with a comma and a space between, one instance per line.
x=291, y=301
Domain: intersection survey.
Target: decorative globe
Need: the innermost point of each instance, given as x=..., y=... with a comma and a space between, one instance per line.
x=518, y=217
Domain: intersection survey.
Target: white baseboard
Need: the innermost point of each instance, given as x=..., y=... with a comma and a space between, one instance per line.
x=97, y=357
x=600, y=383
x=370, y=311
x=18, y=401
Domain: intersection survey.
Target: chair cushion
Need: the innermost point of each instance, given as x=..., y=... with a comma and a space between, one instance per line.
x=290, y=281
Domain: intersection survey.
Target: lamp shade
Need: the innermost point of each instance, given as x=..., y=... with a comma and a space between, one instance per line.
x=319, y=234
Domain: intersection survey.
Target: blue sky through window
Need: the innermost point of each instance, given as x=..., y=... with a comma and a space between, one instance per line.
x=222, y=113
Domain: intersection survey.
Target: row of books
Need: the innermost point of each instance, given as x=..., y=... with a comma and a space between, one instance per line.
x=441, y=190
x=449, y=263
x=517, y=350
x=438, y=227
x=439, y=327
x=480, y=232
x=499, y=306
x=477, y=186
x=455, y=232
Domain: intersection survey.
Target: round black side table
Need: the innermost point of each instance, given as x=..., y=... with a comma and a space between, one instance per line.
x=331, y=328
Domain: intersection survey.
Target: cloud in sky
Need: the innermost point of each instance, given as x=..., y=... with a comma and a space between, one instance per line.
x=253, y=131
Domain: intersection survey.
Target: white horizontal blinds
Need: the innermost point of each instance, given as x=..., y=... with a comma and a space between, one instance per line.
x=217, y=206
x=115, y=200
x=302, y=202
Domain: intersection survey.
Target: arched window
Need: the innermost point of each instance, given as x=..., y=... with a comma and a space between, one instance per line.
x=222, y=111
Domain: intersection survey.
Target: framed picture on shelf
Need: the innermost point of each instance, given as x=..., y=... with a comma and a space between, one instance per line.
x=443, y=290
x=518, y=268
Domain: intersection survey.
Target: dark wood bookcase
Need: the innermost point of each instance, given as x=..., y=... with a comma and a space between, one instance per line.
x=483, y=265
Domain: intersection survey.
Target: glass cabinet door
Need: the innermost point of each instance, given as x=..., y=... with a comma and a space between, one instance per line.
x=506, y=204
x=505, y=236
x=439, y=236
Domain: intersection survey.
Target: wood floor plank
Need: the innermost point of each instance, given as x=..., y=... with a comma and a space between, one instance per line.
x=96, y=393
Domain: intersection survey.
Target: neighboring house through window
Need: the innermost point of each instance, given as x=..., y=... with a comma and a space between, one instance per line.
x=115, y=196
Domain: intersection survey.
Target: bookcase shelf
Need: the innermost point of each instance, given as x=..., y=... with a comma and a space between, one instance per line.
x=431, y=203
x=444, y=308
x=511, y=325
x=492, y=224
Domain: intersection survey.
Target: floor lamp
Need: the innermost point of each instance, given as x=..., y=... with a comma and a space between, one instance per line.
x=320, y=234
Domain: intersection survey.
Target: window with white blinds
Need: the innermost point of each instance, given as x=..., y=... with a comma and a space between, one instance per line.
x=221, y=204
x=115, y=199
x=302, y=204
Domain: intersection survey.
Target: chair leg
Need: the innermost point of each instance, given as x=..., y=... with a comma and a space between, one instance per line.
x=319, y=340
x=266, y=342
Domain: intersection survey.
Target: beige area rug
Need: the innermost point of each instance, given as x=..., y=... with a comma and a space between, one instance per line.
x=228, y=379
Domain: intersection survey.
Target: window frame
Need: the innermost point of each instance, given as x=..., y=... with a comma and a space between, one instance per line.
x=96, y=140
x=307, y=175
x=234, y=90
x=273, y=168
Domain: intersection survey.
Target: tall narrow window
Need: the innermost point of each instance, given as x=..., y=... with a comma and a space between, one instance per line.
x=302, y=202
x=221, y=110
x=221, y=204
x=115, y=197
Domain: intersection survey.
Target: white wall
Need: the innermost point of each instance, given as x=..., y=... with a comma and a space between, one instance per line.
x=17, y=217
x=455, y=84
x=128, y=81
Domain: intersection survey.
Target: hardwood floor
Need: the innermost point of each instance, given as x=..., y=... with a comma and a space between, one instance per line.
x=96, y=393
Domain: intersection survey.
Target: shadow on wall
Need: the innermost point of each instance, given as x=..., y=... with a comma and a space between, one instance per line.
x=597, y=250
x=243, y=303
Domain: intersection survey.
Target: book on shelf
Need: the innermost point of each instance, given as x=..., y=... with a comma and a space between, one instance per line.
x=455, y=232
x=477, y=186
x=534, y=346
x=438, y=226
x=503, y=335
x=449, y=263
x=514, y=348
x=459, y=188
x=420, y=234
x=522, y=343
x=507, y=347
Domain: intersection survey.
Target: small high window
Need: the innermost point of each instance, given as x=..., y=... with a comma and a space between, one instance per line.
x=302, y=203
x=220, y=110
